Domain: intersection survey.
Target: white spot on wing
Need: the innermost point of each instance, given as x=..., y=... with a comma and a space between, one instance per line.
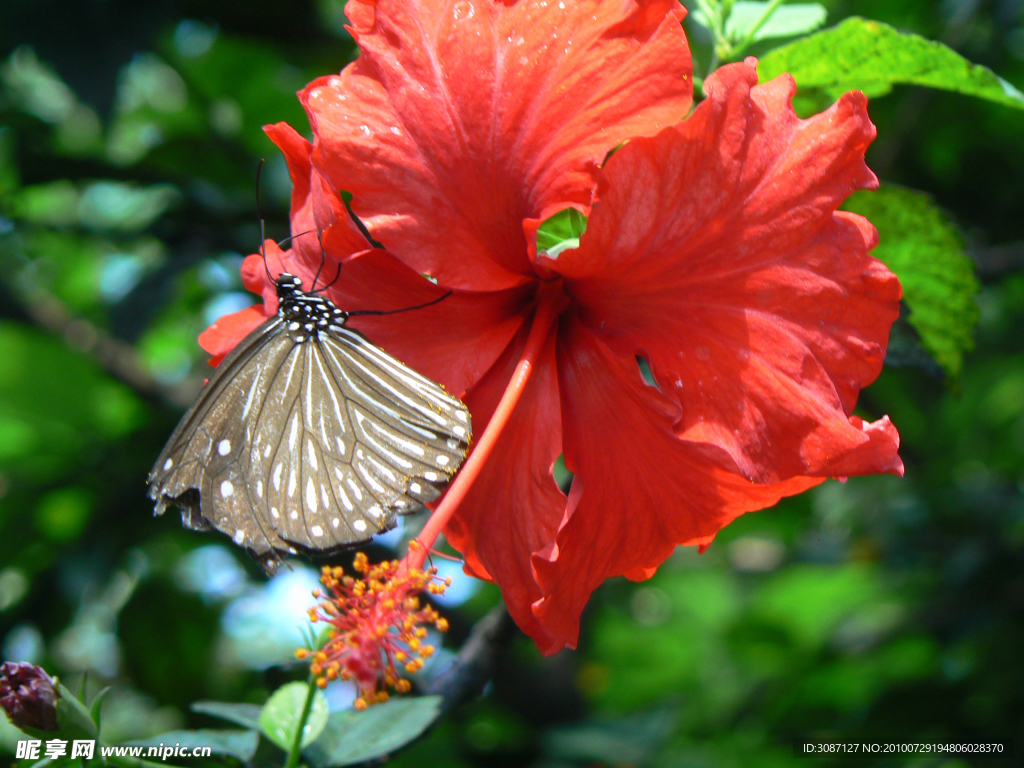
x=249, y=397
x=294, y=434
x=291, y=482
x=294, y=515
x=461, y=416
x=460, y=431
x=312, y=454
x=239, y=536
x=226, y=488
x=359, y=525
x=415, y=487
x=259, y=488
x=316, y=530
x=442, y=461
x=335, y=522
x=274, y=512
x=168, y=464
x=345, y=500
x=431, y=476
x=310, y=494
x=277, y=476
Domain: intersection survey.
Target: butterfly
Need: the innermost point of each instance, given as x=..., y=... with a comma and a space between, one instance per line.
x=309, y=437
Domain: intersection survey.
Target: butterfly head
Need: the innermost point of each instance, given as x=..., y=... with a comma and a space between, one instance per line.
x=307, y=314
x=287, y=286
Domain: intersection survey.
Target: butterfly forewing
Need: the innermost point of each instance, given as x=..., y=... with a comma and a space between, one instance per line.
x=309, y=436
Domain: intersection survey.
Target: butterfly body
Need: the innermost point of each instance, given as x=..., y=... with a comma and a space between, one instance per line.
x=308, y=437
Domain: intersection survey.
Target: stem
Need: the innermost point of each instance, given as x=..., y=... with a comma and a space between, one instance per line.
x=742, y=45
x=293, y=753
x=543, y=321
x=720, y=48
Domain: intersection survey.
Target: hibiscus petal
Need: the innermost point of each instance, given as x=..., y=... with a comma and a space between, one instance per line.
x=221, y=337
x=453, y=342
x=716, y=252
x=514, y=506
x=461, y=120
x=316, y=209
x=639, y=491
x=297, y=151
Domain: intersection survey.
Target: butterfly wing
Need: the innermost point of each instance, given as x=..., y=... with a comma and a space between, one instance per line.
x=365, y=438
x=316, y=445
x=203, y=467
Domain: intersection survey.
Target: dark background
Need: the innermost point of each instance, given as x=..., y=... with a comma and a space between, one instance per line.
x=882, y=609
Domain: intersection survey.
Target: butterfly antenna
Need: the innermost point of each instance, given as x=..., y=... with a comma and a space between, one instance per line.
x=281, y=243
x=259, y=215
x=323, y=260
x=438, y=300
x=337, y=274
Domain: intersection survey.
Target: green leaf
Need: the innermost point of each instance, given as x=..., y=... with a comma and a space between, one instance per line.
x=247, y=715
x=356, y=737
x=72, y=715
x=238, y=744
x=281, y=714
x=561, y=232
x=920, y=244
x=873, y=57
x=785, y=21
x=97, y=703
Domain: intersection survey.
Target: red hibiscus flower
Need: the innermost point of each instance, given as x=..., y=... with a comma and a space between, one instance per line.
x=714, y=250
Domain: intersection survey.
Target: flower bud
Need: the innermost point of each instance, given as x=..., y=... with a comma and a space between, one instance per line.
x=27, y=696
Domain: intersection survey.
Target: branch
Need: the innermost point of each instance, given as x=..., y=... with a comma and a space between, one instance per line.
x=473, y=668
x=995, y=260
x=115, y=356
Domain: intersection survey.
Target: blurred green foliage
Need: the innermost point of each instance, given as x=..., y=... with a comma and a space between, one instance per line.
x=879, y=609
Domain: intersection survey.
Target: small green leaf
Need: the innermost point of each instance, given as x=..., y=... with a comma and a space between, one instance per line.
x=72, y=715
x=561, y=232
x=356, y=737
x=785, y=21
x=919, y=243
x=238, y=744
x=873, y=57
x=97, y=703
x=247, y=715
x=281, y=714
